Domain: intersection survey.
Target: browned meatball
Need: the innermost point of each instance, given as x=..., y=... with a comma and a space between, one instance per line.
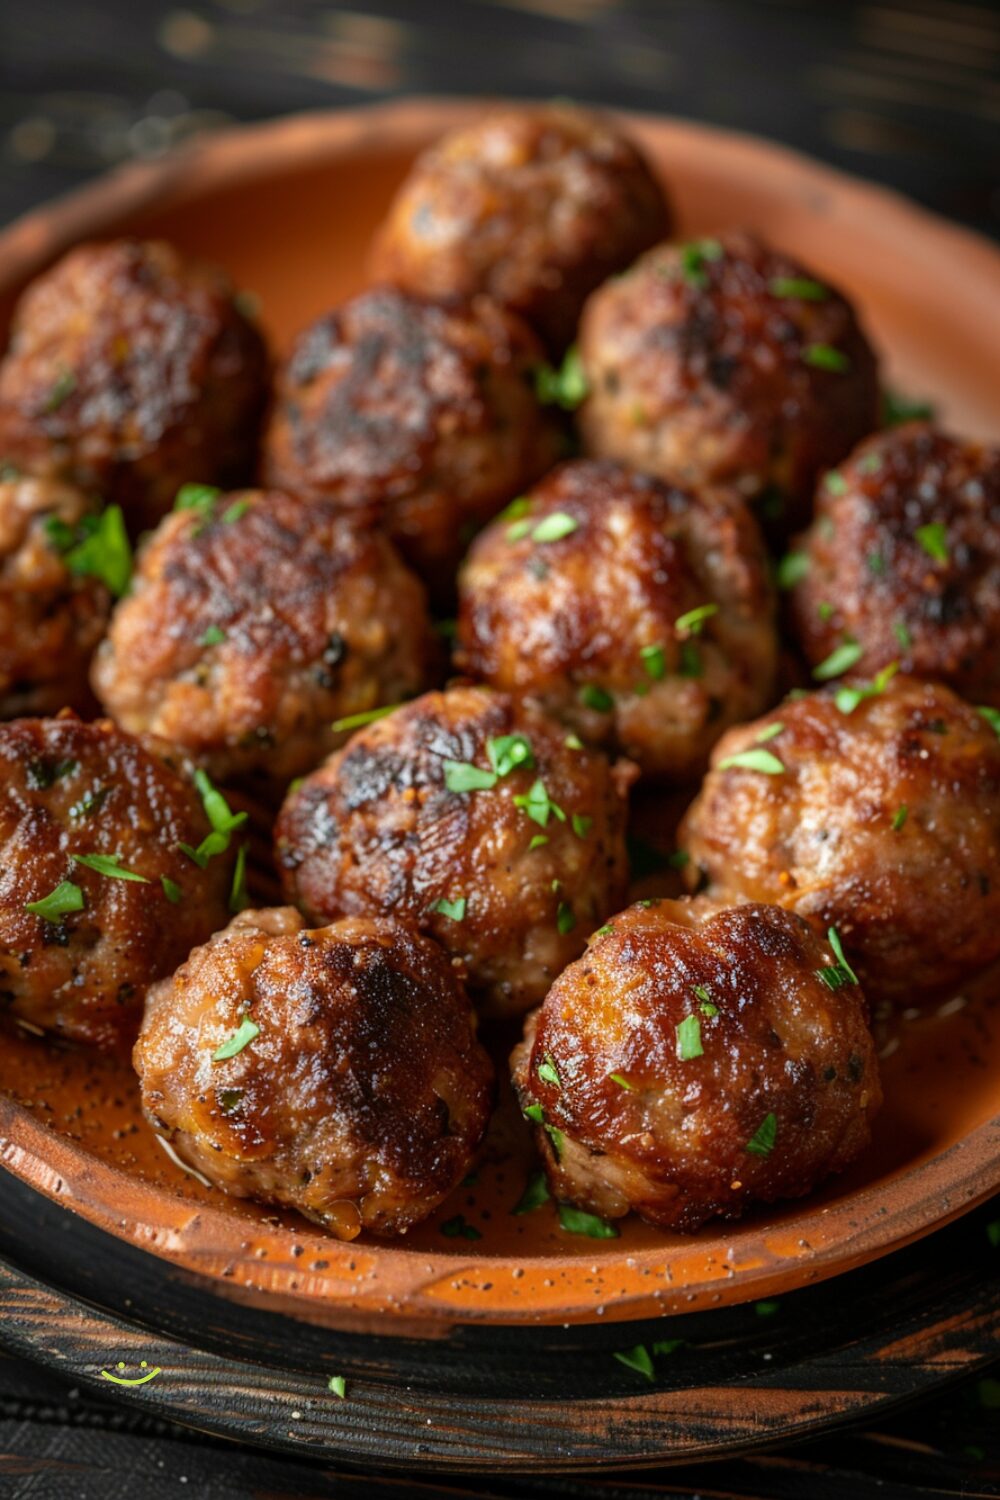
x=51, y=615
x=640, y=616
x=698, y=1059
x=80, y=942
x=255, y=621
x=130, y=371
x=880, y=816
x=902, y=562
x=476, y=819
x=534, y=205
x=723, y=361
x=336, y=1071
x=425, y=414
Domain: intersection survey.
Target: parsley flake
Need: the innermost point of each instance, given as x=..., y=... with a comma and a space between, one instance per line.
x=460, y=776
x=453, y=909
x=596, y=698
x=798, y=288
x=58, y=903
x=62, y=388
x=213, y=636
x=337, y=1386
x=753, y=760
x=792, y=568
x=509, y=752
x=536, y=1192
x=109, y=865
x=934, y=539
x=198, y=497
x=826, y=357
x=548, y=1072
x=897, y=409
x=654, y=662
x=554, y=527
x=691, y=622
x=538, y=805
x=761, y=1143
x=566, y=387
x=565, y=918
x=581, y=825
x=238, y=899
x=688, y=1038
x=241, y=1037
x=638, y=1359
x=98, y=548
x=899, y=817
x=694, y=259
x=840, y=660
x=358, y=721
x=622, y=1082
x=171, y=890
x=576, y=1221
x=457, y=1228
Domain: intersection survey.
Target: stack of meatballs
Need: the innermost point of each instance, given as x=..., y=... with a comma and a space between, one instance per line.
x=589, y=441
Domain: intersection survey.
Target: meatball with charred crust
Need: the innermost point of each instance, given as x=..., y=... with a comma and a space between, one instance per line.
x=639, y=615
x=111, y=870
x=422, y=413
x=723, y=361
x=478, y=820
x=874, y=808
x=254, y=622
x=902, y=562
x=697, y=1060
x=534, y=205
x=51, y=614
x=130, y=371
x=336, y=1071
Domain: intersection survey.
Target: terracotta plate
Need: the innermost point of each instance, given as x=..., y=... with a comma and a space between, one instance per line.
x=289, y=209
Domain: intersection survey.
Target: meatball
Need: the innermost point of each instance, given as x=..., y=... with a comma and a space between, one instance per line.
x=130, y=371
x=534, y=205
x=336, y=1071
x=425, y=414
x=478, y=820
x=723, y=361
x=902, y=562
x=640, y=616
x=698, y=1059
x=106, y=879
x=255, y=621
x=51, y=614
x=874, y=811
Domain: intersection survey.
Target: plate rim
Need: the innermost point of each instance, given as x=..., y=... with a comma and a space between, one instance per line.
x=86, y=1184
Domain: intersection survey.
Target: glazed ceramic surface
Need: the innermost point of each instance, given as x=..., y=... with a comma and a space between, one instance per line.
x=289, y=210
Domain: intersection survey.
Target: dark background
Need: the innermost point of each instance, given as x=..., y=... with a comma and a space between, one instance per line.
x=903, y=91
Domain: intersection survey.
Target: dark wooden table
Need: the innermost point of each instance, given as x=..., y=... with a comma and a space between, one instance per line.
x=903, y=91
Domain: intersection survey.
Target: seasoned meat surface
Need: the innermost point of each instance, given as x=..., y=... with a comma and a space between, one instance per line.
x=903, y=560
x=476, y=819
x=334, y=1071
x=423, y=414
x=534, y=205
x=79, y=964
x=255, y=621
x=51, y=617
x=883, y=821
x=641, y=616
x=694, y=1062
x=130, y=371
x=724, y=361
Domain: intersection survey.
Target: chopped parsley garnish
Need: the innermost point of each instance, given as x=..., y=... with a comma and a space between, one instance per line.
x=690, y=660
x=840, y=660
x=536, y=1192
x=601, y=931
x=704, y=998
x=691, y=622
x=992, y=717
x=566, y=387
x=835, y=483
x=538, y=840
x=596, y=698
x=826, y=357
x=848, y=698
x=238, y=899
x=509, y=752
x=109, y=865
x=235, y=512
x=573, y=742
x=899, y=817
x=457, y=1228
x=241, y=1037
x=461, y=776
x=695, y=256
x=576, y=1221
x=533, y=1112
x=518, y=507
x=358, y=721
x=638, y=1359
x=213, y=636
x=199, y=497
x=337, y=1386
x=835, y=976
x=897, y=409
x=901, y=631
x=622, y=1082
x=171, y=890
x=824, y=610
x=518, y=530
x=876, y=564
x=223, y=820
x=554, y=527
x=769, y=732
x=934, y=539
x=654, y=662
x=453, y=909
x=565, y=918
x=753, y=760
x=581, y=825
x=766, y=1309
x=761, y=1143
x=792, y=568
x=45, y=773
x=539, y=806
x=688, y=1038
x=62, y=388
x=548, y=1072
x=800, y=288
x=89, y=803
x=98, y=548
x=57, y=904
